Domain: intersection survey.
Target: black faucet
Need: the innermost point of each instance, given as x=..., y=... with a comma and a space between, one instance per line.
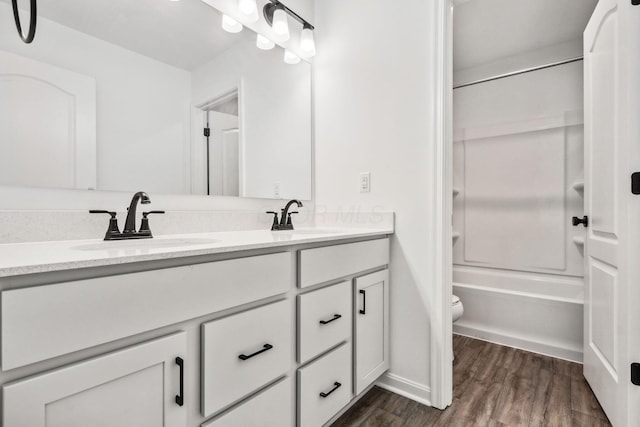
x=129, y=232
x=285, y=218
x=130, y=223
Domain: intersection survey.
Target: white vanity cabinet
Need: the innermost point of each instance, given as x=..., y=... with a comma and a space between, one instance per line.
x=271, y=337
x=371, y=342
x=139, y=386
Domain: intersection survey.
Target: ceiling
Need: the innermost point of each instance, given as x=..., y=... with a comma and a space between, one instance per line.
x=488, y=30
x=184, y=33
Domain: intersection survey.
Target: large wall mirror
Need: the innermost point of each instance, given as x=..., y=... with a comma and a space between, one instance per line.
x=115, y=95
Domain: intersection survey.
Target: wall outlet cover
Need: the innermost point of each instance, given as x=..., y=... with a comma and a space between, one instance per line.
x=365, y=182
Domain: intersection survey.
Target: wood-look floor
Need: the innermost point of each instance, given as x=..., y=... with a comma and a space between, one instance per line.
x=493, y=385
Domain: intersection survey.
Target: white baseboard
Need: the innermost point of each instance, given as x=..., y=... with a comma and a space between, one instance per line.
x=407, y=388
x=573, y=355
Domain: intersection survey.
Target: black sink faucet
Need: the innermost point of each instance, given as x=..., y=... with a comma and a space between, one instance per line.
x=129, y=232
x=285, y=221
x=130, y=223
x=285, y=218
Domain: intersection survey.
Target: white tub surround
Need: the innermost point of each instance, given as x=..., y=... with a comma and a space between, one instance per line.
x=194, y=329
x=518, y=179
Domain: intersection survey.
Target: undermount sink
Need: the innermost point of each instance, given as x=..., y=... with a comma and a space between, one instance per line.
x=146, y=244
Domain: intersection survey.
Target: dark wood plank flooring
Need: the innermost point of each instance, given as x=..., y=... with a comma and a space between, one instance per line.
x=493, y=385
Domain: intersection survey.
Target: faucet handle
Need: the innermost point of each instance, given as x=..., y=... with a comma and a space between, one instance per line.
x=289, y=217
x=275, y=224
x=113, y=229
x=145, y=214
x=94, y=211
x=144, y=224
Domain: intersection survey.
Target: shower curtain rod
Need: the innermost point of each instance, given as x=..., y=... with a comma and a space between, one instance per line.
x=523, y=71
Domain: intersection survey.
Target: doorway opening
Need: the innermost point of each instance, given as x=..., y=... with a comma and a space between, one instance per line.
x=222, y=145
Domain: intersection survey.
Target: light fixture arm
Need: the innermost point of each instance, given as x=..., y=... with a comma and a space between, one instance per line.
x=269, y=8
x=32, y=21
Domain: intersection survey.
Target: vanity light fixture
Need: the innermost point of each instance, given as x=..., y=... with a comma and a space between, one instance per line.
x=264, y=43
x=249, y=9
x=290, y=57
x=276, y=12
x=230, y=25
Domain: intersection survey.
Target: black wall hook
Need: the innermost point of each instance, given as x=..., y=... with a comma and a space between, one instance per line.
x=33, y=20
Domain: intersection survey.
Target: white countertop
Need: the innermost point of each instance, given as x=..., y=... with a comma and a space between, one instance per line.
x=29, y=258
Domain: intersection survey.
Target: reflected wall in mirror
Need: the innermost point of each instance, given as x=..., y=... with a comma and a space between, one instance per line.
x=115, y=95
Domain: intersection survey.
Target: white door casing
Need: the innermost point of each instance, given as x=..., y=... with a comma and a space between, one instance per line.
x=611, y=250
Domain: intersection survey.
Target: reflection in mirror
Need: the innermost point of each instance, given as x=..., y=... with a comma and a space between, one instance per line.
x=115, y=95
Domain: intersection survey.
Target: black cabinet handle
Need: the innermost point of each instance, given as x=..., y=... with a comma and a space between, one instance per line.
x=577, y=221
x=364, y=301
x=336, y=386
x=335, y=317
x=264, y=348
x=180, y=397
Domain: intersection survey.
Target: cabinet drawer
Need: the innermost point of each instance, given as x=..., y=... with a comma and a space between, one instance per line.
x=244, y=352
x=324, y=387
x=47, y=321
x=332, y=262
x=324, y=320
x=272, y=407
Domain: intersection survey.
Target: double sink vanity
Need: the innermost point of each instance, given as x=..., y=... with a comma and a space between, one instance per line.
x=243, y=328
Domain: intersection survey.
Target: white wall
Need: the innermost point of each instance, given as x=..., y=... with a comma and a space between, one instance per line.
x=142, y=105
x=275, y=117
x=374, y=107
x=518, y=153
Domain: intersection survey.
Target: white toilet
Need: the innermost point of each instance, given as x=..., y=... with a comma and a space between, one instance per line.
x=456, y=308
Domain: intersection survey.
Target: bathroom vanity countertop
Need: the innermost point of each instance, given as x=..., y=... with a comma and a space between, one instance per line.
x=39, y=257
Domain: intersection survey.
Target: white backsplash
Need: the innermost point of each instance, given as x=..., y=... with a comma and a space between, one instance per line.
x=40, y=226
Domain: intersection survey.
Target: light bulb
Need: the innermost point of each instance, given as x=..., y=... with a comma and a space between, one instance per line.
x=290, y=57
x=280, y=24
x=307, y=44
x=264, y=43
x=249, y=9
x=231, y=25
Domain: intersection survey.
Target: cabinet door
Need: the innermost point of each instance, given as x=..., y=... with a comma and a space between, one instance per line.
x=136, y=386
x=371, y=344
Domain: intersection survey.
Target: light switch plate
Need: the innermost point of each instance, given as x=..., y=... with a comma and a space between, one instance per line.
x=365, y=182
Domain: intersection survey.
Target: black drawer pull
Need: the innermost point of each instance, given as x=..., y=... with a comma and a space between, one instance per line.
x=264, y=348
x=336, y=386
x=335, y=317
x=180, y=397
x=364, y=301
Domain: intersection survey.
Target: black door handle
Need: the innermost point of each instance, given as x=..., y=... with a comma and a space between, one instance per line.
x=264, y=348
x=336, y=386
x=577, y=221
x=180, y=397
x=364, y=301
x=335, y=317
